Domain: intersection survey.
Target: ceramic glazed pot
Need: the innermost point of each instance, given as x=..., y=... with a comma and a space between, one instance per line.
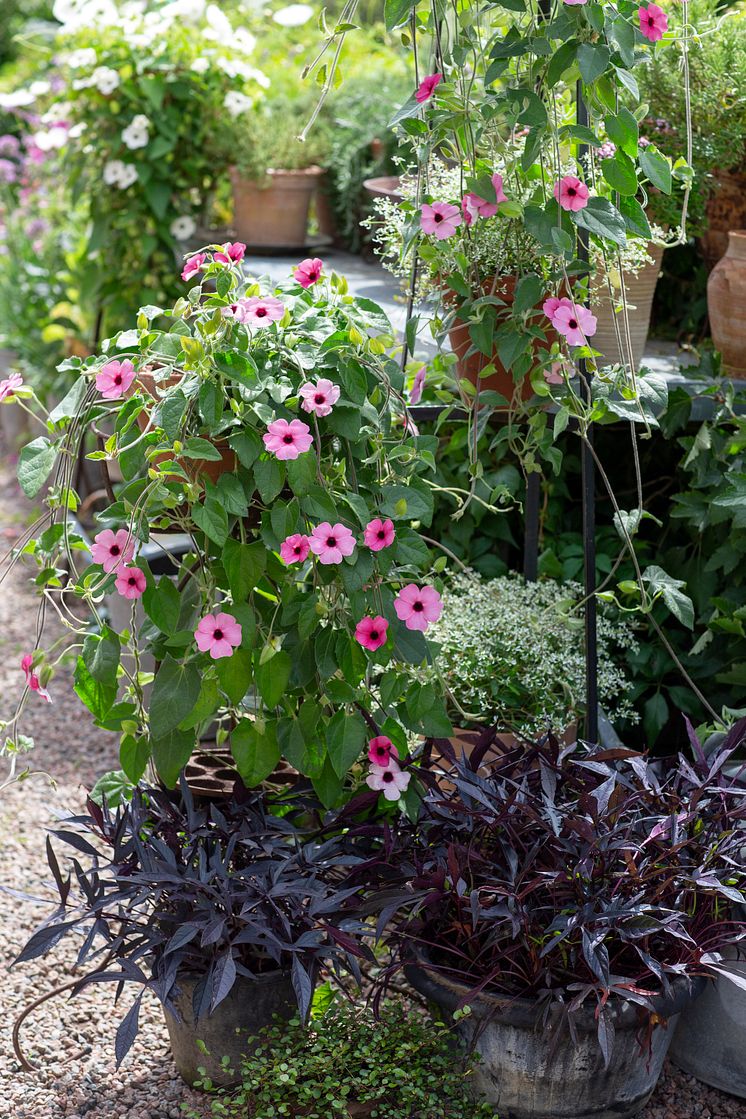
x=274, y=215
x=710, y=1039
x=726, y=210
x=250, y=1006
x=639, y=292
x=726, y=304
x=523, y=1078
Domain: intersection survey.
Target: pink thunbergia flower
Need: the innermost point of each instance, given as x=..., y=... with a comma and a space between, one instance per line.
x=381, y=750
x=440, y=218
x=379, y=534
x=288, y=440
x=371, y=632
x=391, y=781
x=653, y=22
x=261, y=310
x=218, y=635
x=415, y=393
x=114, y=378
x=308, y=272
x=476, y=207
x=295, y=548
x=576, y=1
x=571, y=193
x=331, y=543
x=9, y=385
x=112, y=549
x=32, y=680
x=554, y=376
x=232, y=252
x=193, y=266
x=319, y=397
x=417, y=606
x=130, y=582
x=427, y=87
x=572, y=320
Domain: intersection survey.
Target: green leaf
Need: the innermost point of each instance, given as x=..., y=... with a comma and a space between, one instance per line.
x=237, y=367
x=593, y=58
x=248, y=446
x=405, y=503
x=97, y=697
x=328, y=786
x=397, y=12
x=207, y=704
x=101, y=656
x=564, y=57
x=623, y=130
x=410, y=548
x=234, y=674
x=635, y=218
x=346, y=420
x=269, y=475
x=212, y=519
x=427, y=711
x=171, y=753
x=345, y=740
x=528, y=293
x=603, y=219
x=620, y=173
x=35, y=464
x=171, y=412
x=194, y=447
x=657, y=168
x=272, y=678
x=175, y=690
x=655, y=717
x=162, y=603
x=669, y=589
x=256, y=754
x=158, y=195
x=210, y=404
x=244, y=566
x=134, y=754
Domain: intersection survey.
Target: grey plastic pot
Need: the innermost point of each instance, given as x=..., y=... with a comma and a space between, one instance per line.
x=250, y=1006
x=526, y=1072
x=710, y=1039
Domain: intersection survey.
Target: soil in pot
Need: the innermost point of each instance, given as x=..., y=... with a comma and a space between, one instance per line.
x=249, y=1007
x=274, y=214
x=726, y=304
x=525, y=1074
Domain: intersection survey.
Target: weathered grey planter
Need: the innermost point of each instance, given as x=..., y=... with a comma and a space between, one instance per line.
x=521, y=1075
x=710, y=1039
x=250, y=1006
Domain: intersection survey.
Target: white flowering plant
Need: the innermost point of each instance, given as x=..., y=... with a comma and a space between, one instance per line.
x=142, y=96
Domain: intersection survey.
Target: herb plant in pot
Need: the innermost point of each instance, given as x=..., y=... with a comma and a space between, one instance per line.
x=224, y=914
x=575, y=905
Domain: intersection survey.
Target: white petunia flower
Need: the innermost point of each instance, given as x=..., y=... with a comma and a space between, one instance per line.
x=136, y=134
x=77, y=130
x=50, y=139
x=182, y=228
x=243, y=41
x=19, y=99
x=218, y=25
x=105, y=79
x=295, y=15
x=236, y=103
x=201, y=65
x=120, y=174
x=39, y=88
x=128, y=176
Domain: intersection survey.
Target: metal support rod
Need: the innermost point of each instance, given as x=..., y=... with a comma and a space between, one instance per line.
x=531, y=527
x=588, y=482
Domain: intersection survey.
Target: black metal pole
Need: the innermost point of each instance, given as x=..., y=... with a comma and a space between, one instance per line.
x=588, y=482
x=531, y=527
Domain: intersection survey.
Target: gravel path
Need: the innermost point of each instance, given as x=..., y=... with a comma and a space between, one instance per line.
x=72, y=1042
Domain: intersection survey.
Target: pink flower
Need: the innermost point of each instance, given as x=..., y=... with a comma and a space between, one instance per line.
x=114, y=378
x=112, y=549
x=262, y=310
x=572, y=320
x=288, y=440
x=441, y=218
x=319, y=397
x=232, y=252
x=308, y=272
x=331, y=543
x=9, y=386
x=295, y=548
x=130, y=582
x=371, y=632
x=571, y=193
x=193, y=266
x=415, y=393
x=391, y=781
x=32, y=680
x=426, y=88
x=607, y=150
x=576, y=1
x=475, y=207
x=379, y=534
x=554, y=376
x=418, y=606
x=381, y=750
x=653, y=22
x=218, y=635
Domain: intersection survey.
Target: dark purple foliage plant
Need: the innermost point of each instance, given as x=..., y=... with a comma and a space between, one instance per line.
x=169, y=888
x=570, y=876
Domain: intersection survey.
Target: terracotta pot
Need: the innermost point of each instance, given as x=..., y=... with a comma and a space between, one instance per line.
x=385, y=186
x=195, y=467
x=325, y=218
x=469, y=368
x=274, y=215
x=726, y=303
x=726, y=210
x=639, y=291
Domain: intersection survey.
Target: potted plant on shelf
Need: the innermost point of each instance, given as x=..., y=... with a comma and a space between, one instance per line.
x=294, y=626
x=575, y=905
x=510, y=655
x=224, y=913
x=349, y=1062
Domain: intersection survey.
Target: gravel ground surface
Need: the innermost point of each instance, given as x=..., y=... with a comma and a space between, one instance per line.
x=71, y=1043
